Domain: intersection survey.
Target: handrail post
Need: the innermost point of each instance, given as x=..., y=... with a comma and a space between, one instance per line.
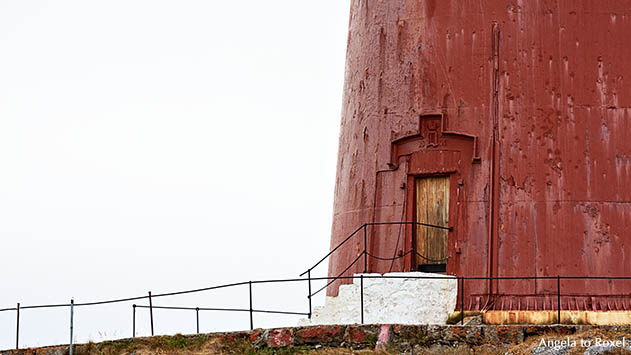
x=413, y=239
x=17, y=328
x=462, y=300
x=197, y=318
x=365, y=249
x=133, y=323
x=251, y=319
x=309, y=296
x=558, y=299
x=361, y=296
x=151, y=312
x=71, y=323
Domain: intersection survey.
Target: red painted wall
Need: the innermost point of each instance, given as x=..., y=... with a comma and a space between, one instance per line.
x=531, y=118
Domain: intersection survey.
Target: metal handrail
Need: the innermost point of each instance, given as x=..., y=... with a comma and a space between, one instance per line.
x=459, y=279
x=334, y=249
x=309, y=280
x=363, y=226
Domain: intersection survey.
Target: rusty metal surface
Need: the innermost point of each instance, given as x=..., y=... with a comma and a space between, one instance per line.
x=550, y=317
x=524, y=105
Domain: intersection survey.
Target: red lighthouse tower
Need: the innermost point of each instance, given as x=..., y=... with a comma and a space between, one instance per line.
x=506, y=120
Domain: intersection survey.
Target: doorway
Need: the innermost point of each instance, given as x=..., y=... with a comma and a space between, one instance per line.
x=432, y=207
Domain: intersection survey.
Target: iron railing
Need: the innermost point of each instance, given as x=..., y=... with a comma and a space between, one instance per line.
x=365, y=253
x=329, y=280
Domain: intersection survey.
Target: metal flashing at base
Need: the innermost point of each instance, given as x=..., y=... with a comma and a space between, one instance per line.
x=550, y=317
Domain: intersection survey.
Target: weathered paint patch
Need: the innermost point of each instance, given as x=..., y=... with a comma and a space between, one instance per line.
x=279, y=337
x=384, y=337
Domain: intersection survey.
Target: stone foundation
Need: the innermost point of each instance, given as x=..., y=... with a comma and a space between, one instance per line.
x=388, y=339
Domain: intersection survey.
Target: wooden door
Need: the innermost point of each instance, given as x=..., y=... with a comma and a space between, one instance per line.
x=432, y=207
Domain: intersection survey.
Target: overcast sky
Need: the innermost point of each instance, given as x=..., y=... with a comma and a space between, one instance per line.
x=164, y=145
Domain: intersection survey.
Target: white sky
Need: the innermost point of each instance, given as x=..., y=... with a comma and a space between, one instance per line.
x=164, y=145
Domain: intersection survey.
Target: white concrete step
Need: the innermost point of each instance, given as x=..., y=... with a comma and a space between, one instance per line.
x=390, y=300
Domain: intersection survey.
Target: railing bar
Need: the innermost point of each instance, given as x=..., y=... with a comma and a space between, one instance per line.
x=361, y=294
x=342, y=273
x=71, y=324
x=558, y=299
x=133, y=324
x=151, y=312
x=415, y=223
x=339, y=277
x=329, y=278
x=373, y=224
x=45, y=306
x=251, y=310
x=280, y=280
x=111, y=301
x=309, y=292
x=200, y=289
x=461, y=301
x=17, y=328
x=167, y=307
x=365, y=248
x=430, y=260
x=322, y=278
x=223, y=309
x=333, y=251
x=280, y=312
x=389, y=259
x=194, y=308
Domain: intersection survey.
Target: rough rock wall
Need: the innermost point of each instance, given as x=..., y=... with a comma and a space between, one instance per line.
x=378, y=339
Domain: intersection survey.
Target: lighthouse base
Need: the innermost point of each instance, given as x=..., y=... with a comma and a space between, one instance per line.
x=398, y=300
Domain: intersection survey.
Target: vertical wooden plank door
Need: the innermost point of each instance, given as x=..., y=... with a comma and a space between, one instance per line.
x=432, y=207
